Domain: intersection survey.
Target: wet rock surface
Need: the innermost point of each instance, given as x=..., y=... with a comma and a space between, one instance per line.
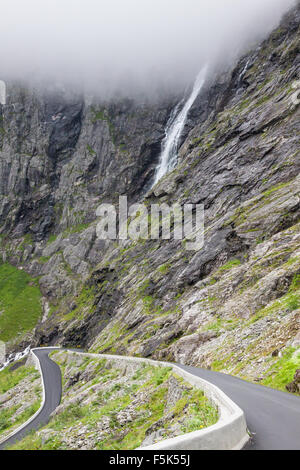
x=228, y=306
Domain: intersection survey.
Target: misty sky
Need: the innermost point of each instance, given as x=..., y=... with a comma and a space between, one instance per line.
x=128, y=43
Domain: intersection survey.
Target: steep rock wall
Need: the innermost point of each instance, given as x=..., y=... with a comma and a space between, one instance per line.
x=233, y=305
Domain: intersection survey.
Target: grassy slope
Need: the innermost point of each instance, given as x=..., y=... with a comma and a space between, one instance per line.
x=20, y=304
x=8, y=380
x=283, y=371
x=109, y=402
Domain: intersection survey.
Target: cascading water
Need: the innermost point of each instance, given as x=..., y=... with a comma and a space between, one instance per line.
x=174, y=130
x=14, y=357
x=243, y=72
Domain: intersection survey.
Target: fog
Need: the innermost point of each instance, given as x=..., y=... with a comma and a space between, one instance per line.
x=128, y=46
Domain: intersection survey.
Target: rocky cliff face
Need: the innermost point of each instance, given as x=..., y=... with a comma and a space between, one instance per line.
x=232, y=306
x=60, y=157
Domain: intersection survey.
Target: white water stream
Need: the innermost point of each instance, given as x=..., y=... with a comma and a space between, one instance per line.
x=14, y=357
x=174, y=129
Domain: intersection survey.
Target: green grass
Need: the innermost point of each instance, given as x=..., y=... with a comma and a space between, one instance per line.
x=101, y=115
x=5, y=418
x=220, y=323
x=84, y=304
x=152, y=382
x=33, y=442
x=23, y=417
x=295, y=284
x=293, y=303
x=44, y=259
x=20, y=302
x=98, y=115
x=90, y=150
x=223, y=269
x=70, y=415
x=8, y=380
x=282, y=373
x=27, y=413
x=51, y=239
x=159, y=375
x=231, y=264
x=134, y=438
x=287, y=303
x=75, y=229
x=203, y=413
x=164, y=268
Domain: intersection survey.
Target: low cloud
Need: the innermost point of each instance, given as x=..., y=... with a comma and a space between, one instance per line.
x=128, y=45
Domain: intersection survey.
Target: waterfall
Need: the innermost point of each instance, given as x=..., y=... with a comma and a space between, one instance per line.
x=14, y=357
x=175, y=126
x=243, y=72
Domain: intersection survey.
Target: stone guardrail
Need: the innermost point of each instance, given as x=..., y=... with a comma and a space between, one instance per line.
x=229, y=433
x=38, y=367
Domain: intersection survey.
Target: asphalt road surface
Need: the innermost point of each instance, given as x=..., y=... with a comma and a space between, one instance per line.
x=52, y=380
x=272, y=417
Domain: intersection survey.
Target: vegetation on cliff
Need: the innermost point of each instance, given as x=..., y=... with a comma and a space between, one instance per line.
x=233, y=306
x=106, y=405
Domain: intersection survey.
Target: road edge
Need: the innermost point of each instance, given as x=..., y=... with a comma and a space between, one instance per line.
x=229, y=433
x=38, y=367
